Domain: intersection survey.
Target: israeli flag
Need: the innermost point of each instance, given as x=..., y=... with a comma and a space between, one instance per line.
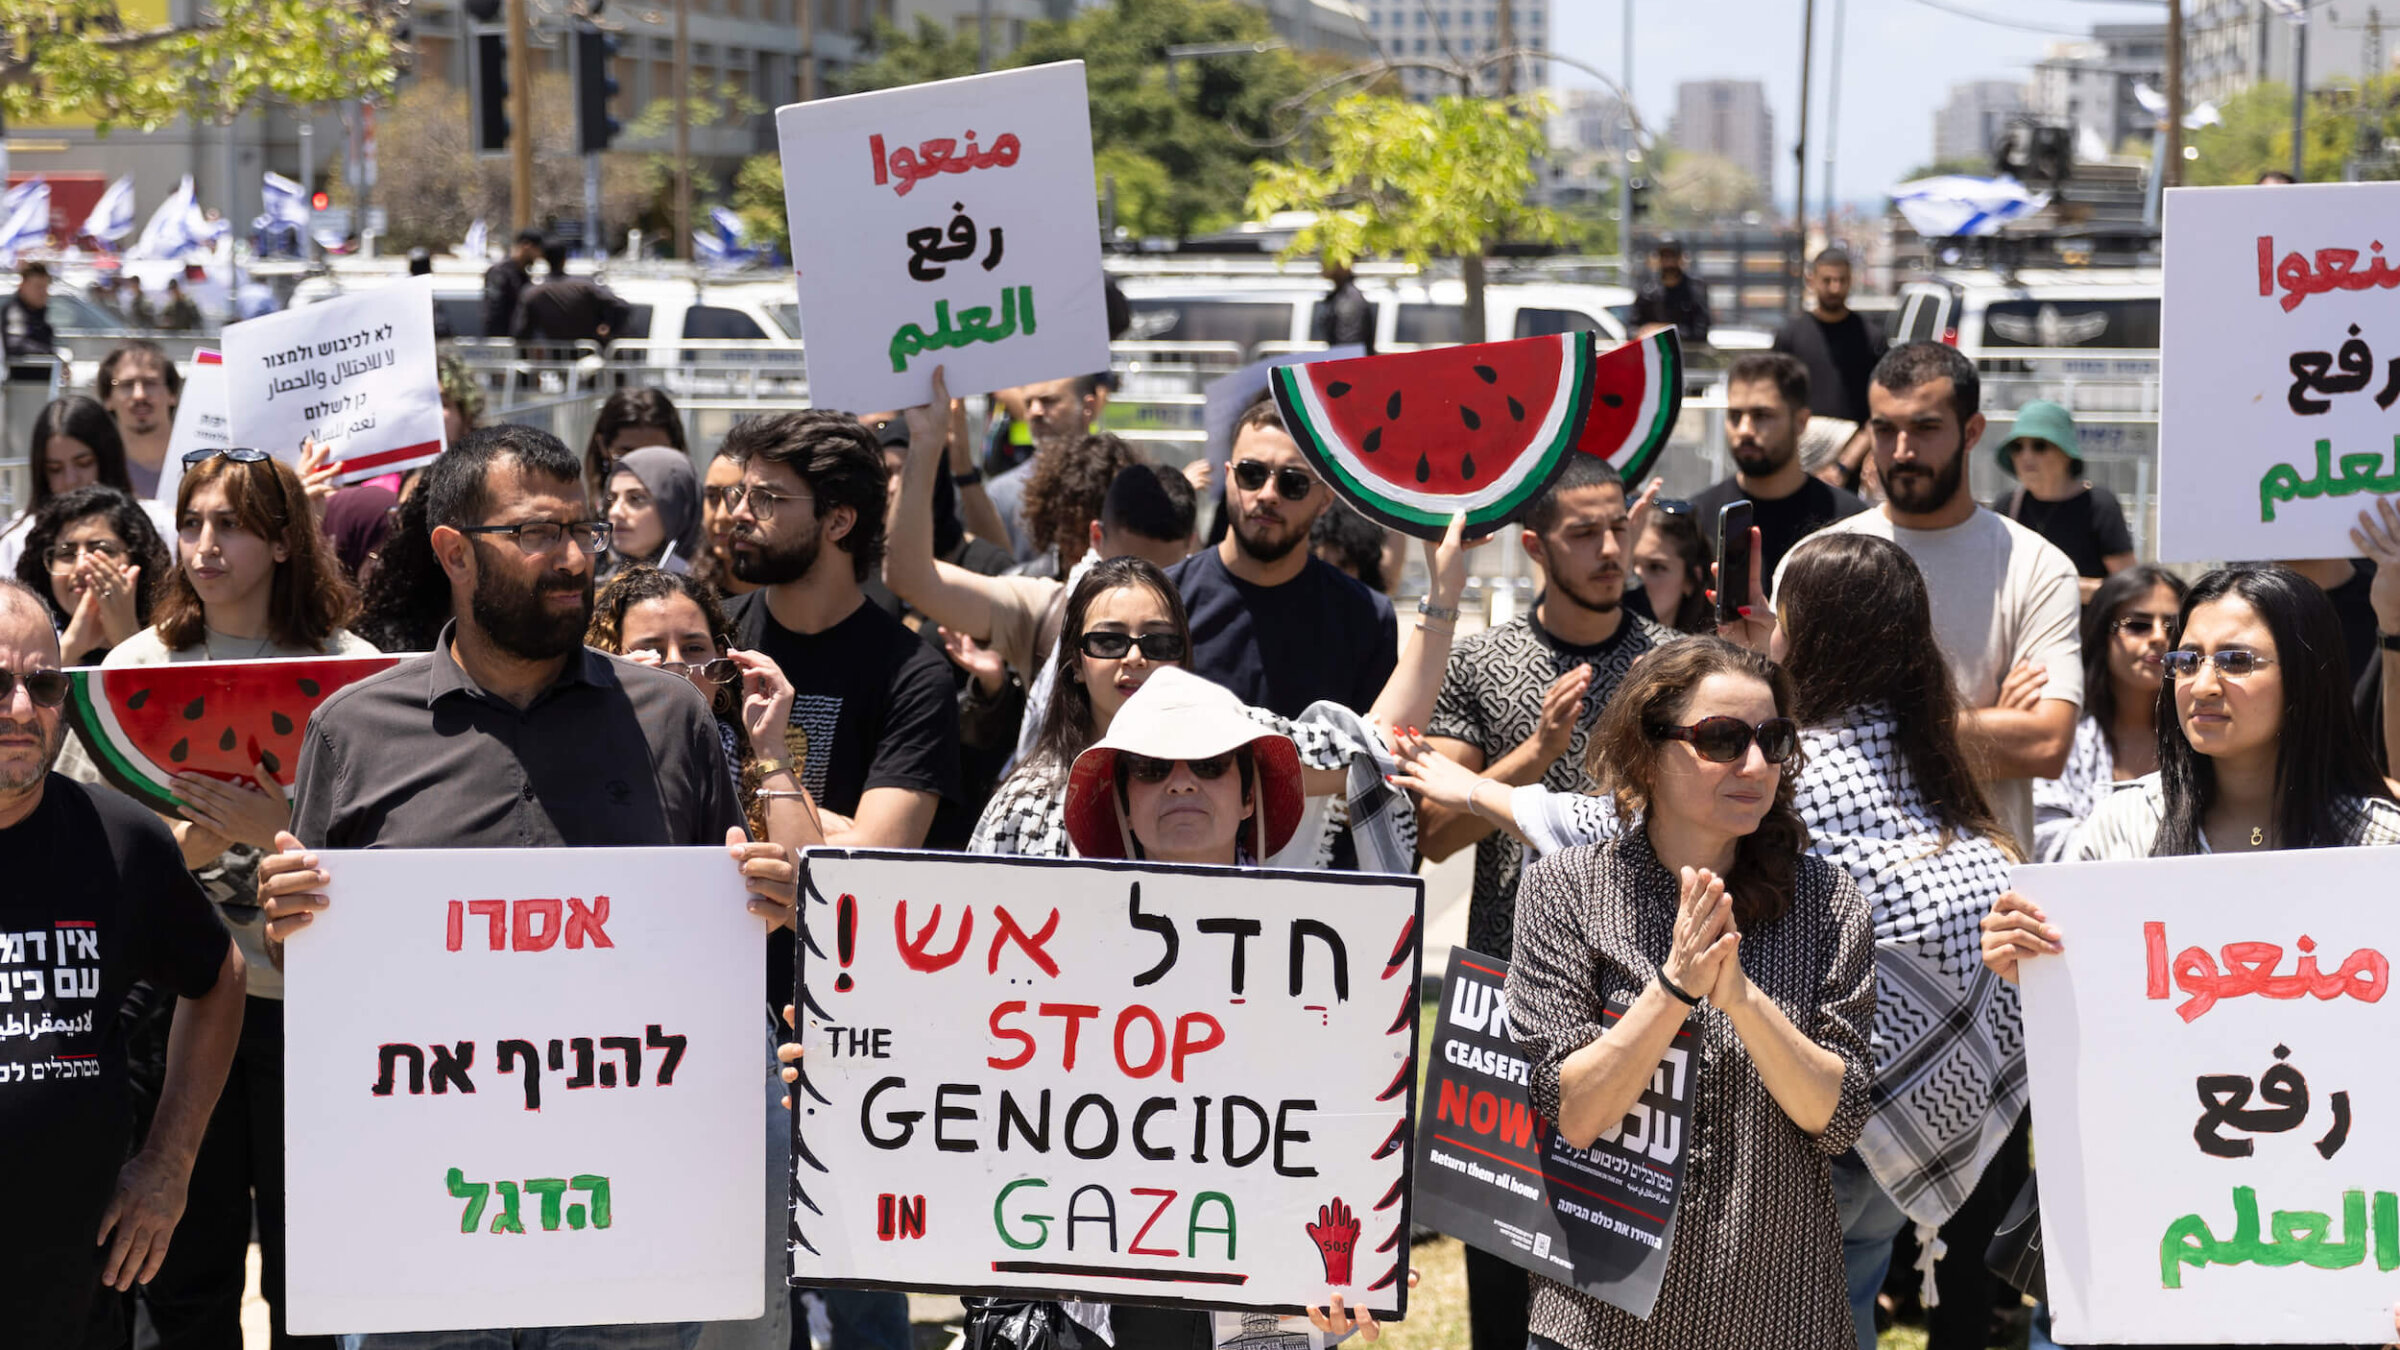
x=1952, y=205
x=286, y=203
x=728, y=246
x=24, y=217
x=112, y=219
x=169, y=233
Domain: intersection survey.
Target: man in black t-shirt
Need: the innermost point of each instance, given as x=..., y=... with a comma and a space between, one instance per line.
x=1673, y=296
x=874, y=725
x=1839, y=345
x=1766, y=407
x=1279, y=626
x=97, y=898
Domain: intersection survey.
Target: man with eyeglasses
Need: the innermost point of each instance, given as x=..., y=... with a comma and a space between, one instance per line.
x=1766, y=409
x=1273, y=622
x=97, y=898
x=141, y=389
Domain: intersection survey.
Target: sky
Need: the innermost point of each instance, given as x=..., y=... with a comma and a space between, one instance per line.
x=1899, y=59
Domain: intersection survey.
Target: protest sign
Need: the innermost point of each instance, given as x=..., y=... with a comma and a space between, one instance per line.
x=950, y=224
x=354, y=373
x=2212, y=1091
x=522, y=1089
x=2276, y=418
x=1494, y=1174
x=1146, y=1084
x=200, y=421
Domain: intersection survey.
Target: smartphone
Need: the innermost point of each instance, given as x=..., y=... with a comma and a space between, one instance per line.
x=1733, y=561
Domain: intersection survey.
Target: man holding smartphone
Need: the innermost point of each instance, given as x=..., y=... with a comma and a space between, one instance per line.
x=1766, y=409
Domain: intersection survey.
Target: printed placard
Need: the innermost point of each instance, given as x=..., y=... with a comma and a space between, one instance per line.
x=202, y=421
x=1186, y=1086
x=1493, y=1173
x=2278, y=416
x=2212, y=1090
x=952, y=224
x=355, y=373
x=522, y=1089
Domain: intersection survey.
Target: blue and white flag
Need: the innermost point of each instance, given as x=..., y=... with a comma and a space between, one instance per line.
x=112, y=218
x=1953, y=204
x=171, y=233
x=478, y=241
x=728, y=245
x=286, y=203
x=24, y=217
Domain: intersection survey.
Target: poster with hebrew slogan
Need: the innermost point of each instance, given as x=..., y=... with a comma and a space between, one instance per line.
x=522, y=1088
x=1182, y=1086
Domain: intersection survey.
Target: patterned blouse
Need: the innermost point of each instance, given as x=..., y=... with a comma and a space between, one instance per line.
x=1757, y=1254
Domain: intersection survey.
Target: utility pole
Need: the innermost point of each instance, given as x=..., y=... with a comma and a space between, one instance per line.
x=983, y=36
x=2174, y=165
x=808, y=49
x=1833, y=115
x=2299, y=91
x=1808, y=38
x=520, y=113
x=1626, y=157
x=683, y=129
x=1506, y=39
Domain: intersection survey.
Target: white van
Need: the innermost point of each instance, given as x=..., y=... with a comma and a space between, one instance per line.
x=2081, y=322
x=1409, y=311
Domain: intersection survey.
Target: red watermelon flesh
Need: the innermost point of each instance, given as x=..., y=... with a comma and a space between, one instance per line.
x=145, y=724
x=1637, y=392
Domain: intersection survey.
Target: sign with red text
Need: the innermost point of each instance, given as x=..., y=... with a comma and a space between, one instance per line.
x=2279, y=369
x=2212, y=1089
x=521, y=1089
x=354, y=373
x=946, y=224
x=1185, y=1086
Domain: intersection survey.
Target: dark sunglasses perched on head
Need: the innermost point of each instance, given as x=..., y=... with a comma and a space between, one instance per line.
x=1107, y=646
x=1144, y=769
x=238, y=454
x=47, y=688
x=1291, y=484
x=1722, y=740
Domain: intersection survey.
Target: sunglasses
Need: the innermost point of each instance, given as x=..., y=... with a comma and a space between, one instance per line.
x=47, y=688
x=2143, y=625
x=1100, y=644
x=1291, y=484
x=718, y=671
x=1722, y=740
x=1671, y=506
x=239, y=455
x=1144, y=769
x=2233, y=662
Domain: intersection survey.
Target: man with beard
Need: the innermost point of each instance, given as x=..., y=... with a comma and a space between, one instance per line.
x=1837, y=344
x=1766, y=408
x=1273, y=622
x=2005, y=601
x=1516, y=704
x=141, y=389
x=513, y=734
x=1058, y=413
x=98, y=898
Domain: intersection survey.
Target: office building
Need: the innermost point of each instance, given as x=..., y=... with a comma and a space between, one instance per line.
x=1965, y=127
x=1729, y=119
x=1459, y=33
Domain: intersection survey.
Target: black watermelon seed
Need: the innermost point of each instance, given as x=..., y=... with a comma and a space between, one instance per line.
x=309, y=687
x=193, y=709
x=267, y=758
x=1374, y=440
x=282, y=724
x=1337, y=389
x=136, y=699
x=1487, y=374
x=1424, y=467
x=179, y=751
x=1467, y=415
x=1391, y=406
x=1466, y=467
x=1516, y=410
x=225, y=742
x=1613, y=400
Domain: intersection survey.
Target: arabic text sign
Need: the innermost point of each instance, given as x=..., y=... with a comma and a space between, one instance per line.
x=522, y=1089
x=1145, y=1084
x=2212, y=1089
x=356, y=373
x=201, y=421
x=2279, y=370
x=946, y=224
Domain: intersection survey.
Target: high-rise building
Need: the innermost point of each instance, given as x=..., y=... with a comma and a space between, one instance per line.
x=1978, y=110
x=2089, y=85
x=1463, y=33
x=2230, y=45
x=1589, y=122
x=1730, y=119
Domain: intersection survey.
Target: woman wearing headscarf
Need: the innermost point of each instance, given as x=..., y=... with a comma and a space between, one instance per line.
x=653, y=510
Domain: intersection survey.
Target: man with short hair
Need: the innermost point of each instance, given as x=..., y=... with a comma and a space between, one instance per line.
x=505, y=284
x=1766, y=409
x=97, y=898
x=1057, y=412
x=566, y=309
x=1672, y=296
x=25, y=324
x=1838, y=344
x=1273, y=622
x=141, y=388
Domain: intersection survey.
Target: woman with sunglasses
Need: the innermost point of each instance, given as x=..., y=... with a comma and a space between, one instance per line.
x=95, y=557
x=2128, y=624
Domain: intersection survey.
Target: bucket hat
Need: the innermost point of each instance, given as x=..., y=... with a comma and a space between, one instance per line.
x=2042, y=420
x=1179, y=715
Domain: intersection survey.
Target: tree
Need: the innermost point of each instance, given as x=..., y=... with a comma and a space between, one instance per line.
x=1416, y=180
x=79, y=58
x=1695, y=189
x=900, y=58
x=2256, y=136
x=758, y=200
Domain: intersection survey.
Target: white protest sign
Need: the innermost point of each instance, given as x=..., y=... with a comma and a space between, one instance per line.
x=522, y=1088
x=2277, y=415
x=200, y=421
x=2213, y=1101
x=948, y=224
x=1185, y=1086
x=356, y=373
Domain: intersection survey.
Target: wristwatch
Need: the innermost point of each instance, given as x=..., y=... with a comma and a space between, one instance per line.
x=968, y=479
x=2391, y=642
x=1430, y=610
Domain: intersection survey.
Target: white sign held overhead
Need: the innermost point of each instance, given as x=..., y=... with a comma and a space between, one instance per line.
x=1162, y=1085
x=2212, y=1089
x=522, y=1089
x=355, y=373
x=2279, y=369
x=201, y=421
x=950, y=224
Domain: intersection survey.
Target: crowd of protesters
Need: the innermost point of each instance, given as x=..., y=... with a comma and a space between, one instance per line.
x=1791, y=831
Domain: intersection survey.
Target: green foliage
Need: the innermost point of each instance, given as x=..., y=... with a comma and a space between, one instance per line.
x=79, y=59
x=2257, y=134
x=901, y=58
x=1974, y=166
x=758, y=200
x=1413, y=180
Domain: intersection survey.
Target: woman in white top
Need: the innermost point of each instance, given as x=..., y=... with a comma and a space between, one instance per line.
x=74, y=443
x=2128, y=624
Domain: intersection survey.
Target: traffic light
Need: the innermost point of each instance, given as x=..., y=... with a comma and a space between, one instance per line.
x=595, y=85
x=1637, y=192
x=320, y=201
x=487, y=85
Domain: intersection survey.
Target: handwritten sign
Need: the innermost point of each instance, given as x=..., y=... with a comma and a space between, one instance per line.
x=201, y=421
x=522, y=1090
x=2212, y=1089
x=356, y=373
x=2277, y=421
x=1144, y=1084
x=945, y=224
x=1496, y=1175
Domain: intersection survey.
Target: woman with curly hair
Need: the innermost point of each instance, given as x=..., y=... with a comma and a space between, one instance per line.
x=95, y=557
x=1062, y=496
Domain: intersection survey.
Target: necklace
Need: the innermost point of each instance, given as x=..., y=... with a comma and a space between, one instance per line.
x=259, y=648
x=2258, y=835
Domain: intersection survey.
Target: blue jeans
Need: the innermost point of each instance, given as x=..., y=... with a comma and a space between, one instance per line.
x=645, y=1336
x=862, y=1319
x=1870, y=1221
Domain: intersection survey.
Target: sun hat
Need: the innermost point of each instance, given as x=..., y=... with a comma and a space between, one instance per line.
x=1179, y=715
x=2042, y=420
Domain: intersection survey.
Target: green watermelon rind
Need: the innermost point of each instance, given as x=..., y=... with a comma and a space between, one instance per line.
x=1529, y=473
x=96, y=723
x=1662, y=394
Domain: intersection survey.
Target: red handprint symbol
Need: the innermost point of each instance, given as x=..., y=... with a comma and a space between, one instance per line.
x=1336, y=1234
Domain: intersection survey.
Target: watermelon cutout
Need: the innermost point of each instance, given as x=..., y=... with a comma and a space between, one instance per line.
x=1413, y=438
x=145, y=724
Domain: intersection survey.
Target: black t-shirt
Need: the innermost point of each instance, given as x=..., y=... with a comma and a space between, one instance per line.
x=2357, y=612
x=1321, y=635
x=1840, y=356
x=97, y=898
x=873, y=707
x=2087, y=527
x=1782, y=521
